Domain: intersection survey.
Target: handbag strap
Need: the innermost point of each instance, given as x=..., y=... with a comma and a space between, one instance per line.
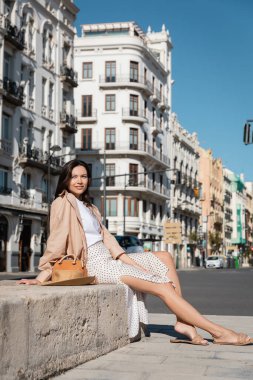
x=75, y=259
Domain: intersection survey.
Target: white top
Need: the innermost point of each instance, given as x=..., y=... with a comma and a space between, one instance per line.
x=90, y=224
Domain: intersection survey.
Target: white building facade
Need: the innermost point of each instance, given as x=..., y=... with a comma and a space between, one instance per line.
x=185, y=205
x=37, y=123
x=123, y=106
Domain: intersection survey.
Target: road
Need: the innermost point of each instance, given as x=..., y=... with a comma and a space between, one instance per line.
x=214, y=291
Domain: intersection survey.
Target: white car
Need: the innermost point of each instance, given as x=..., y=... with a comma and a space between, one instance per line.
x=214, y=262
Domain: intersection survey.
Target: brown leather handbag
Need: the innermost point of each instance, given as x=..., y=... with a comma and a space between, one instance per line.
x=69, y=270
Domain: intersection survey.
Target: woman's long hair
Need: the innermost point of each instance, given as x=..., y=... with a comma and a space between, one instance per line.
x=65, y=177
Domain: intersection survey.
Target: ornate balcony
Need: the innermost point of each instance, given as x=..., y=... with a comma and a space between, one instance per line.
x=12, y=92
x=156, y=127
x=156, y=97
x=68, y=122
x=69, y=75
x=14, y=35
x=34, y=157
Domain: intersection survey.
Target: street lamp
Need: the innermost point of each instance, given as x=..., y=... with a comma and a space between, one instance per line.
x=53, y=149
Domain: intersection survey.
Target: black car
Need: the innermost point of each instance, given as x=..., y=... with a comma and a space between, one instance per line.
x=131, y=244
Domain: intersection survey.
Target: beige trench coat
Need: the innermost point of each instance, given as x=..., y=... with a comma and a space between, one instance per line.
x=67, y=235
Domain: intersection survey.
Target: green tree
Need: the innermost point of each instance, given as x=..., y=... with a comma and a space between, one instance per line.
x=215, y=240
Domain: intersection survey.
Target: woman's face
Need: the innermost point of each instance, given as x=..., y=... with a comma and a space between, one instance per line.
x=79, y=181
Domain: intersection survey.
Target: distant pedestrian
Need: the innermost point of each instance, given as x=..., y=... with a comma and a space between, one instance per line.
x=76, y=228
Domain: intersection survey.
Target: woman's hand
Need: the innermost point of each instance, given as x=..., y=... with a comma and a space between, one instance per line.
x=28, y=282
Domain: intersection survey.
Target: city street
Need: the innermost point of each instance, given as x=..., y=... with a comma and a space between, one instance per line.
x=214, y=291
x=211, y=291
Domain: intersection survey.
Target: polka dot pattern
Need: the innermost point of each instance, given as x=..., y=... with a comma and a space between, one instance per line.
x=107, y=270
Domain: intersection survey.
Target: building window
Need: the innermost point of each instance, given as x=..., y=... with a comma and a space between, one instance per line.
x=87, y=139
x=161, y=91
x=90, y=169
x=153, y=84
x=153, y=211
x=110, y=137
x=153, y=116
x=161, y=183
x=86, y=105
x=26, y=181
x=87, y=70
x=161, y=212
x=110, y=71
x=153, y=181
x=133, y=174
x=3, y=181
x=144, y=202
x=44, y=84
x=145, y=75
x=110, y=102
x=111, y=206
x=133, y=139
x=51, y=99
x=133, y=105
x=110, y=173
x=145, y=108
x=6, y=131
x=131, y=207
x=134, y=71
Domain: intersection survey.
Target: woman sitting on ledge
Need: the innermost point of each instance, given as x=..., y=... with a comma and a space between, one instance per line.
x=76, y=228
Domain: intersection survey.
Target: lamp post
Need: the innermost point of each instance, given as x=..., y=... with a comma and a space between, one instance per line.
x=54, y=148
x=104, y=189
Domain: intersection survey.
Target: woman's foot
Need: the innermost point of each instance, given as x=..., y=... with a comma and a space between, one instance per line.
x=230, y=337
x=190, y=332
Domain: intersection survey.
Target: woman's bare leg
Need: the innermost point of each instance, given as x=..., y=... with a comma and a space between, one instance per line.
x=181, y=326
x=181, y=308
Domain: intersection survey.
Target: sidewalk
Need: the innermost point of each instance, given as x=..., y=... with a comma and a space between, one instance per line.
x=156, y=358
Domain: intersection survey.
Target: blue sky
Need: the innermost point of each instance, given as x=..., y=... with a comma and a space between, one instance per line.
x=212, y=65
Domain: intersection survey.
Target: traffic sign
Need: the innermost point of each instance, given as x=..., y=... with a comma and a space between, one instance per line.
x=172, y=233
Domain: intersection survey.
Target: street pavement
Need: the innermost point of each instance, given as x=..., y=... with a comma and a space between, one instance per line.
x=225, y=293
x=155, y=357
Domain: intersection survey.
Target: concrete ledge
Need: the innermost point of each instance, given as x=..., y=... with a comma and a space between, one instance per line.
x=45, y=330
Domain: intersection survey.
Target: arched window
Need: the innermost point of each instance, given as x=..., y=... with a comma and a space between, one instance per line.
x=29, y=29
x=48, y=45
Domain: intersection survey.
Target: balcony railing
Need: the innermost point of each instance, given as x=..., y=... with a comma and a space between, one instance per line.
x=35, y=157
x=68, y=122
x=125, y=80
x=140, y=182
x=69, y=75
x=137, y=114
x=5, y=190
x=14, y=35
x=90, y=114
x=142, y=149
x=6, y=146
x=24, y=194
x=12, y=91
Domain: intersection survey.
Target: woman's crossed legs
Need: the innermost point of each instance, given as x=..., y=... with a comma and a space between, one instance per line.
x=187, y=315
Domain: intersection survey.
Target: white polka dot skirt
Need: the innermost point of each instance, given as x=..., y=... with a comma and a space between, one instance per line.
x=107, y=270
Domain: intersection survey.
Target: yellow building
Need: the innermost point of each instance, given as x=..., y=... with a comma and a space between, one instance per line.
x=211, y=177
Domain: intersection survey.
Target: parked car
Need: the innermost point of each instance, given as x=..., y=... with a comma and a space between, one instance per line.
x=131, y=244
x=214, y=262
